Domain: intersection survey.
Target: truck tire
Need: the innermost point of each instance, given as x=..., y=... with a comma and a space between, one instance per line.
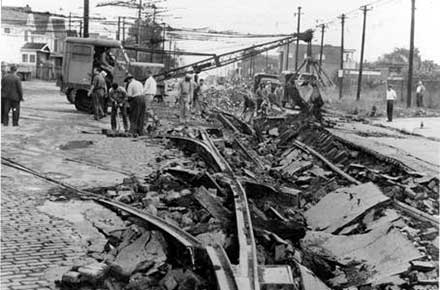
x=70, y=95
x=83, y=103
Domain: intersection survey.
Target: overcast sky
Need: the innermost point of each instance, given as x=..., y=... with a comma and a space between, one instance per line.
x=388, y=23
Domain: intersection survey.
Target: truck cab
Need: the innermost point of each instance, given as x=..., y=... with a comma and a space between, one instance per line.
x=81, y=55
x=265, y=78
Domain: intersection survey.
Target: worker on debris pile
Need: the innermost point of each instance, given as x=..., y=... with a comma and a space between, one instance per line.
x=316, y=101
x=249, y=105
x=391, y=96
x=273, y=98
x=279, y=92
x=12, y=95
x=98, y=91
x=185, y=91
x=137, y=103
x=201, y=97
x=118, y=97
x=259, y=96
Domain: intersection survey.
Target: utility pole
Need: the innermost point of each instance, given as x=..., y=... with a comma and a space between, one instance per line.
x=341, y=68
x=86, y=19
x=152, y=31
x=80, y=28
x=139, y=29
x=163, y=42
x=361, y=62
x=411, y=55
x=118, y=34
x=267, y=63
x=297, y=39
x=123, y=30
x=322, y=46
x=70, y=21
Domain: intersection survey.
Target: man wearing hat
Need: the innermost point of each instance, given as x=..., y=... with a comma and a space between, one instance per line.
x=137, y=101
x=98, y=91
x=12, y=95
x=185, y=93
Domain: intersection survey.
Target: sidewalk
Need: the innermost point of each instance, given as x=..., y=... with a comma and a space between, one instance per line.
x=431, y=126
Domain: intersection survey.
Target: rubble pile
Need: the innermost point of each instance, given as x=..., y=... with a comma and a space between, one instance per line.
x=228, y=99
x=348, y=215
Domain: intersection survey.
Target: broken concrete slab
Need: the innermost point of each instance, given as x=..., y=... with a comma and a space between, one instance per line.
x=384, y=251
x=212, y=238
x=309, y=279
x=93, y=273
x=148, y=251
x=343, y=206
x=212, y=205
x=422, y=265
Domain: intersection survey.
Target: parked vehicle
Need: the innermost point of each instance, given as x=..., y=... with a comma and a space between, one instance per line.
x=81, y=55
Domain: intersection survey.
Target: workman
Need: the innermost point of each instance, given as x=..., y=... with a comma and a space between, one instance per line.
x=316, y=101
x=185, y=91
x=249, y=105
x=137, y=103
x=420, y=90
x=260, y=95
x=98, y=91
x=119, y=99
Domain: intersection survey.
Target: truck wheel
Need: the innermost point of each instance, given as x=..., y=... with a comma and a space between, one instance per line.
x=83, y=103
x=70, y=95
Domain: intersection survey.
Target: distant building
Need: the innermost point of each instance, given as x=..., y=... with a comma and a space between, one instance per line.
x=21, y=28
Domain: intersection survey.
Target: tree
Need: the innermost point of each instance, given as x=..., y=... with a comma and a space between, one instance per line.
x=151, y=37
x=400, y=56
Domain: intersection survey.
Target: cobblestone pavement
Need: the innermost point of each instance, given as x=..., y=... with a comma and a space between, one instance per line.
x=37, y=248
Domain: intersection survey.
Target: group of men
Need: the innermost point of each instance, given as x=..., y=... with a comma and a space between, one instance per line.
x=269, y=94
x=133, y=102
x=191, y=94
x=391, y=96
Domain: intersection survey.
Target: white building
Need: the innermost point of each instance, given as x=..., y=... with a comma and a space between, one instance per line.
x=21, y=25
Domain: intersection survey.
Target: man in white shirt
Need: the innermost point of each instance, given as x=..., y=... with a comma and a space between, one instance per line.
x=185, y=91
x=150, y=87
x=419, y=94
x=138, y=106
x=391, y=96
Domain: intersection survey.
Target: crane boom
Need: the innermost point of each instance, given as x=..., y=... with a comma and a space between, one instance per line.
x=220, y=60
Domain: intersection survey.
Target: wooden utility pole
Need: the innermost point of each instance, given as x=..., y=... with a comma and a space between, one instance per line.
x=86, y=18
x=322, y=46
x=80, y=28
x=297, y=40
x=118, y=33
x=139, y=28
x=411, y=55
x=123, y=30
x=341, y=67
x=361, y=62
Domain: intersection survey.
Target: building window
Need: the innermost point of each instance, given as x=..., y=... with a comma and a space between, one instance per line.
x=25, y=57
x=32, y=58
x=7, y=30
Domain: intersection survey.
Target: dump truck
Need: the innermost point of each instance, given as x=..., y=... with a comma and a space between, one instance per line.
x=81, y=55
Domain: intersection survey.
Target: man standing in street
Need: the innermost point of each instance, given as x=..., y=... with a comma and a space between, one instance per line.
x=118, y=97
x=185, y=91
x=137, y=102
x=12, y=95
x=316, y=101
x=391, y=96
x=420, y=90
x=98, y=91
x=150, y=90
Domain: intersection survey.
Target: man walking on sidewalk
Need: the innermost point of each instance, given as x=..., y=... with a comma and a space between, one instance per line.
x=98, y=91
x=419, y=94
x=12, y=95
x=391, y=96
